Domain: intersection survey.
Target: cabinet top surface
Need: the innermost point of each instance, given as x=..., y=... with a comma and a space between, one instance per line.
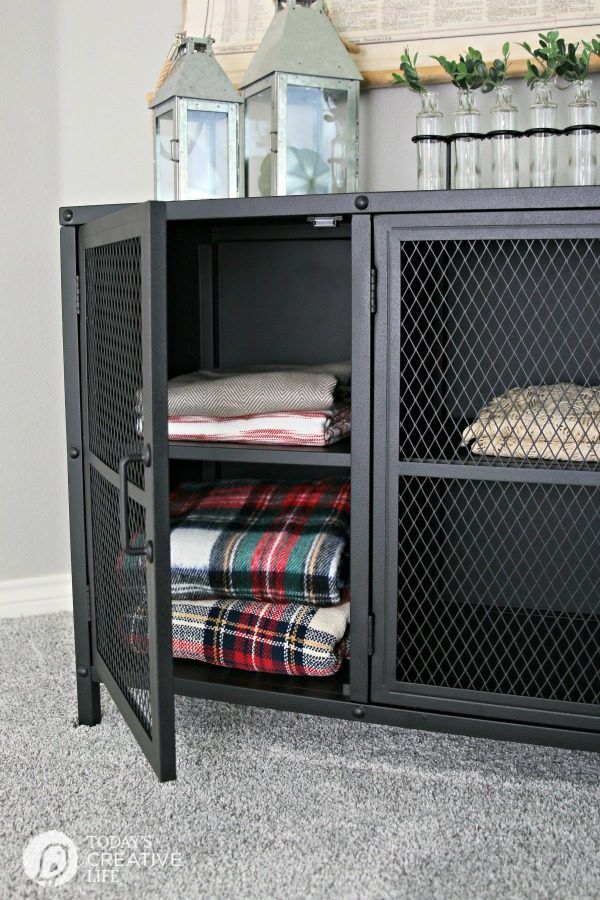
x=367, y=203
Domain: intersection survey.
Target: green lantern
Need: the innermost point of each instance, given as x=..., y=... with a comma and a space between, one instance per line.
x=196, y=127
x=301, y=96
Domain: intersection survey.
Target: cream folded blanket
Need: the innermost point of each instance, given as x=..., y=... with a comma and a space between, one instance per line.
x=558, y=422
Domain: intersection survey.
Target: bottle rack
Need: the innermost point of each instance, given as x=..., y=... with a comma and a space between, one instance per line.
x=450, y=139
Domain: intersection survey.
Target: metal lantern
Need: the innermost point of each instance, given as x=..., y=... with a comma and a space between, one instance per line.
x=301, y=107
x=196, y=127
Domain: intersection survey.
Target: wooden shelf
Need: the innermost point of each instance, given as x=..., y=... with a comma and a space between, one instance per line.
x=335, y=455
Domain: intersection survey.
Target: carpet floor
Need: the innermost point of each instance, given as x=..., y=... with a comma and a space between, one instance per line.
x=277, y=805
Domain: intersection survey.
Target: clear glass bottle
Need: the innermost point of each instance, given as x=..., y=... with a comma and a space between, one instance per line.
x=505, y=149
x=542, y=147
x=467, y=151
x=582, y=144
x=430, y=154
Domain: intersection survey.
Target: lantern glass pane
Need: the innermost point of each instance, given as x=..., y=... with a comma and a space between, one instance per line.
x=317, y=140
x=208, y=154
x=165, y=167
x=258, y=144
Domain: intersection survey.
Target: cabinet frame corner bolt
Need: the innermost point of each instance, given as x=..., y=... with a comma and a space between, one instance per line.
x=361, y=202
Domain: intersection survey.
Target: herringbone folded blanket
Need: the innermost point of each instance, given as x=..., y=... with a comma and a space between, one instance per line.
x=557, y=422
x=288, y=639
x=292, y=428
x=222, y=394
x=282, y=542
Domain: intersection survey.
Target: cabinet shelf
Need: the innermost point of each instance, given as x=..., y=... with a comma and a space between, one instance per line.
x=335, y=455
x=216, y=682
x=464, y=457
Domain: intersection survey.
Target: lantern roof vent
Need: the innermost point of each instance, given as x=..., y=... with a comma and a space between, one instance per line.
x=301, y=41
x=196, y=74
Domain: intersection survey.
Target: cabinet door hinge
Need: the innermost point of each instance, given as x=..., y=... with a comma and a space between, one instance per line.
x=371, y=636
x=373, y=292
x=88, y=601
x=77, y=295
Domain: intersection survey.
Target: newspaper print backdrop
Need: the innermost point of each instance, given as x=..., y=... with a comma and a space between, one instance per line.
x=381, y=28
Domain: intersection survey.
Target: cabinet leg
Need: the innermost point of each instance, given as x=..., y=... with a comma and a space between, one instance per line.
x=88, y=698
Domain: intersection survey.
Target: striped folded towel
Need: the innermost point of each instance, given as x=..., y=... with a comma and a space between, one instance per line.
x=291, y=428
x=289, y=639
x=282, y=542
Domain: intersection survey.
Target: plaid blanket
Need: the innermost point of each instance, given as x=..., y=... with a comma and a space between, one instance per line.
x=280, y=639
x=297, y=428
x=282, y=542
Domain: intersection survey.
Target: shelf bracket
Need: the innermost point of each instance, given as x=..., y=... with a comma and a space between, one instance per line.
x=77, y=295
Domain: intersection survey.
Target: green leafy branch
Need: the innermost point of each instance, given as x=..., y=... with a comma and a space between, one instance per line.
x=554, y=58
x=498, y=71
x=593, y=46
x=408, y=74
x=470, y=72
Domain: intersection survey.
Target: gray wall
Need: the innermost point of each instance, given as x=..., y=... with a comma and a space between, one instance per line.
x=75, y=76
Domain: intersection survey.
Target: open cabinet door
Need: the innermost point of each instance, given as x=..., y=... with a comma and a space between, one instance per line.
x=122, y=265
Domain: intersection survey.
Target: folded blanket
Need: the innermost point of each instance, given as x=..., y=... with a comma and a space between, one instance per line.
x=554, y=422
x=284, y=542
x=280, y=639
x=223, y=394
x=296, y=428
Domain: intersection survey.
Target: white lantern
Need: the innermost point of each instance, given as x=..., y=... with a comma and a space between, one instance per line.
x=196, y=127
x=301, y=96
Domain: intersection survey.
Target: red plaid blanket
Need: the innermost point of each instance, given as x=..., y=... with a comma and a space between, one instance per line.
x=281, y=542
x=280, y=639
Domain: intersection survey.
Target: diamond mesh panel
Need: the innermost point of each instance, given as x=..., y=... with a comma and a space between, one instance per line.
x=120, y=596
x=499, y=587
x=481, y=317
x=114, y=351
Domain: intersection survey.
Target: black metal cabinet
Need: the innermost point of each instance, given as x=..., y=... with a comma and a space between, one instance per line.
x=475, y=584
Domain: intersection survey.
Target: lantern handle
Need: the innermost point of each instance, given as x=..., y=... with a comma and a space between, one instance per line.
x=291, y=4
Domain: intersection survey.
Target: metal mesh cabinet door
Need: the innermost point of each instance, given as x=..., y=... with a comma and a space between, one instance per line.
x=490, y=604
x=123, y=273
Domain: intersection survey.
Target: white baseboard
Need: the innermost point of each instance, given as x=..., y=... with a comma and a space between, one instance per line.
x=35, y=596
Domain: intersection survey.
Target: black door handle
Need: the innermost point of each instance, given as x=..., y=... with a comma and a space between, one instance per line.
x=145, y=550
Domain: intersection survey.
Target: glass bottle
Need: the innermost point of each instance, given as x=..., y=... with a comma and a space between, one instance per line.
x=542, y=147
x=582, y=144
x=505, y=151
x=467, y=151
x=430, y=154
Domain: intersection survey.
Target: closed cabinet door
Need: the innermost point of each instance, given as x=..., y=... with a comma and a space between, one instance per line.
x=122, y=264
x=486, y=542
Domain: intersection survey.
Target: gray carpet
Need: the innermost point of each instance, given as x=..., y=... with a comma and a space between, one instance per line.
x=276, y=805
